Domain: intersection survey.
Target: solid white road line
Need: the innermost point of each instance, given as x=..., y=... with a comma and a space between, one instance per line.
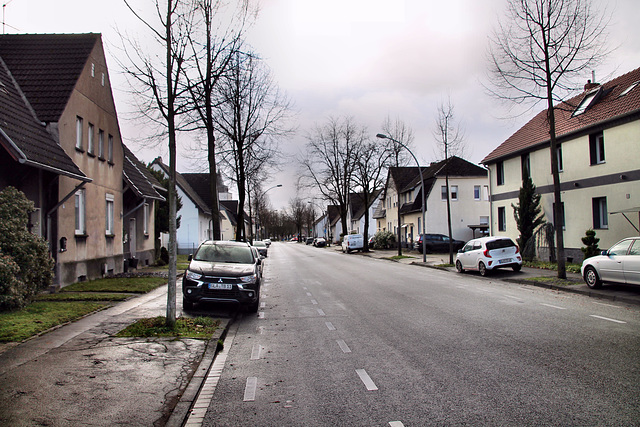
x=553, y=306
x=606, y=318
x=250, y=389
x=366, y=379
x=343, y=346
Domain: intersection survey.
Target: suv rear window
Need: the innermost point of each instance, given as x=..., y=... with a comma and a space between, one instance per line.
x=499, y=244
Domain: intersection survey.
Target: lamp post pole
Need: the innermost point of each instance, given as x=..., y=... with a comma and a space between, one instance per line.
x=258, y=210
x=424, y=228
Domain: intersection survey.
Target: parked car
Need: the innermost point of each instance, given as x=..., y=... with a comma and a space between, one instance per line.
x=267, y=242
x=437, y=243
x=352, y=242
x=619, y=264
x=309, y=240
x=223, y=271
x=488, y=253
x=319, y=242
x=262, y=247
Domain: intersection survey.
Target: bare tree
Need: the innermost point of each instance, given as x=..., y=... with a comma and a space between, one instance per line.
x=537, y=53
x=397, y=130
x=157, y=81
x=369, y=176
x=212, y=48
x=332, y=151
x=250, y=112
x=450, y=138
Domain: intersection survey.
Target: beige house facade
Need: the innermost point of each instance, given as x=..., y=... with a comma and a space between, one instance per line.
x=599, y=136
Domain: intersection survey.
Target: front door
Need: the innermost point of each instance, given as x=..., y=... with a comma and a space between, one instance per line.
x=132, y=237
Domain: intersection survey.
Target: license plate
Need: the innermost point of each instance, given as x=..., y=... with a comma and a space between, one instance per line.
x=505, y=261
x=223, y=286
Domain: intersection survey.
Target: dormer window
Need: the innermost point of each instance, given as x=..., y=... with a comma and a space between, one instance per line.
x=586, y=102
x=629, y=89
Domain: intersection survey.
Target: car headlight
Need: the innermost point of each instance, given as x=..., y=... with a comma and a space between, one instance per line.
x=249, y=279
x=192, y=275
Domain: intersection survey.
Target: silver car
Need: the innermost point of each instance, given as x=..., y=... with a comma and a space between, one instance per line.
x=619, y=264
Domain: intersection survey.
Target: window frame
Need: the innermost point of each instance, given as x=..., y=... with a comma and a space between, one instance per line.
x=477, y=192
x=525, y=166
x=101, y=144
x=454, y=192
x=110, y=148
x=80, y=212
x=443, y=193
x=500, y=173
x=90, y=139
x=597, y=148
x=109, y=215
x=79, y=133
x=502, y=218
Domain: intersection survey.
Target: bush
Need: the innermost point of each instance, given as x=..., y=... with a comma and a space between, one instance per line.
x=592, y=244
x=164, y=255
x=25, y=265
x=384, y=240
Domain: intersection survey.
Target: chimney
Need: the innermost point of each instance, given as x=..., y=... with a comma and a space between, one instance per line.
x=590, y=85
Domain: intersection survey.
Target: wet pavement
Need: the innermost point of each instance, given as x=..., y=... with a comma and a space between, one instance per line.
x=80, y=374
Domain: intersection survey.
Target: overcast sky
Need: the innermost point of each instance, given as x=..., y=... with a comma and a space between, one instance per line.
x=368, y=59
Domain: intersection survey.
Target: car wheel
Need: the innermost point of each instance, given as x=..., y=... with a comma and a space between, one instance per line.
x=592, y=279
x=459, y=267
x=253, y=308
x=482, y=269
x=517, y=267
x=186, y=305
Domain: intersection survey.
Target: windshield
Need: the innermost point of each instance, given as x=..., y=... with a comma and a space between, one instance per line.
x=499, y=244
x=223, y=253
x=259, y=244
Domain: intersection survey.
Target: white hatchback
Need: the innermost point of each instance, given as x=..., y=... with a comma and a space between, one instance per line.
x=487, y=253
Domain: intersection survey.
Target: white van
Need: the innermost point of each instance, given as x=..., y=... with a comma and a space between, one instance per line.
x=352, y=242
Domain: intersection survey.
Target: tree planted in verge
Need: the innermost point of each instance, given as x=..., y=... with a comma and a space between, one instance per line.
x=527, y=216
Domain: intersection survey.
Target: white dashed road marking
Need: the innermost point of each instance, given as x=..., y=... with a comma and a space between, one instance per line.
x=321, y=312
x=606, y=318
x=366, y=379
x=343, y=346
x=330, y=326
x=396, y=424
x=250, y=389
x=553, y=306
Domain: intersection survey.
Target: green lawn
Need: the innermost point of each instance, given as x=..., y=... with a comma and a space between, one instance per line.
x=199, y=328
x=138, y=285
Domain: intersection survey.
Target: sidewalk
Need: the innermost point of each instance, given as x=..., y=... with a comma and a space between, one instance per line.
x=79, y=374
x=623, y=293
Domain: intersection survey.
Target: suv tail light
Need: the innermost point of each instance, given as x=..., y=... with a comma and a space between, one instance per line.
x=517, y=249
x=486, y=253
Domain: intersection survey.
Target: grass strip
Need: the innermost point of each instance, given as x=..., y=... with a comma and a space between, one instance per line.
x=16, y=326
x=553, y=281
x=139, y=285
x=82, y=296
x=198, y=328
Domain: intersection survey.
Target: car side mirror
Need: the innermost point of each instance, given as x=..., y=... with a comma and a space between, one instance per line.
x=606, y=253
x=460, y=251
x=190, y=257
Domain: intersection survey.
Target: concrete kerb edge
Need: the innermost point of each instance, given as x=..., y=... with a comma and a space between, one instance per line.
x=181, y=410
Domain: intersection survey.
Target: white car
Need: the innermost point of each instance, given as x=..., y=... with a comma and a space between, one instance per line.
x=620, y=264
x=488, y=253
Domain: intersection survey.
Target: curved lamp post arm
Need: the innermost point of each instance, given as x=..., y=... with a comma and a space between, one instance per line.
x=424, y=224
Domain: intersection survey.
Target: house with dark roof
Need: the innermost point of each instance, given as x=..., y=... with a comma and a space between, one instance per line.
x=401, y=205
x=195, y=223
x=62, y=146
x=598, y=134
x=358, y=210
x=141, y=191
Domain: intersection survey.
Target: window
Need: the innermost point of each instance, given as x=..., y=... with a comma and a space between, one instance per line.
x=629, y=89
x=596, y=148
x=586, y=102
x=90, y=140
x=502, y=219
x=500, y=173
x=484, y=220
x=101, y=144
x=525, y=163
x=419, y=229
x=600, y=219
x=80, y=212
x=443, y=192
x=635, y=248
x=485, y=192
x=102, y=79
x=79, y=133
x=109, y=230
x=454, y=192
x=561, y=223
x=476, y=192
x=93, y=69
x=559, y=153
x=110, y=149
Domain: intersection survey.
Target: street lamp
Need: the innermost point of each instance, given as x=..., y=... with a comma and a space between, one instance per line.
x=258, y=210
x=424, y=224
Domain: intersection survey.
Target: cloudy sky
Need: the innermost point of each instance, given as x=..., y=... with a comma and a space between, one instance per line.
x=369, y=59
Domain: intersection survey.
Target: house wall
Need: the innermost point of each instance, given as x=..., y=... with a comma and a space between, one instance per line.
x=145, y=247
x=91, y=255
x=581, y=182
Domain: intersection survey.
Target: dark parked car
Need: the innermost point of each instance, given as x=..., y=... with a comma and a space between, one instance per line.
x=222, y=271
x=437, y=243
x=319, y=242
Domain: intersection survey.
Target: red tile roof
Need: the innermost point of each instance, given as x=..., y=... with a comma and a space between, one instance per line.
x=607, y=107
x=47, y=67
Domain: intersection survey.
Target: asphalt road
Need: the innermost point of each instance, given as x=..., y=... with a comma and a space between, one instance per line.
x=349, y=340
